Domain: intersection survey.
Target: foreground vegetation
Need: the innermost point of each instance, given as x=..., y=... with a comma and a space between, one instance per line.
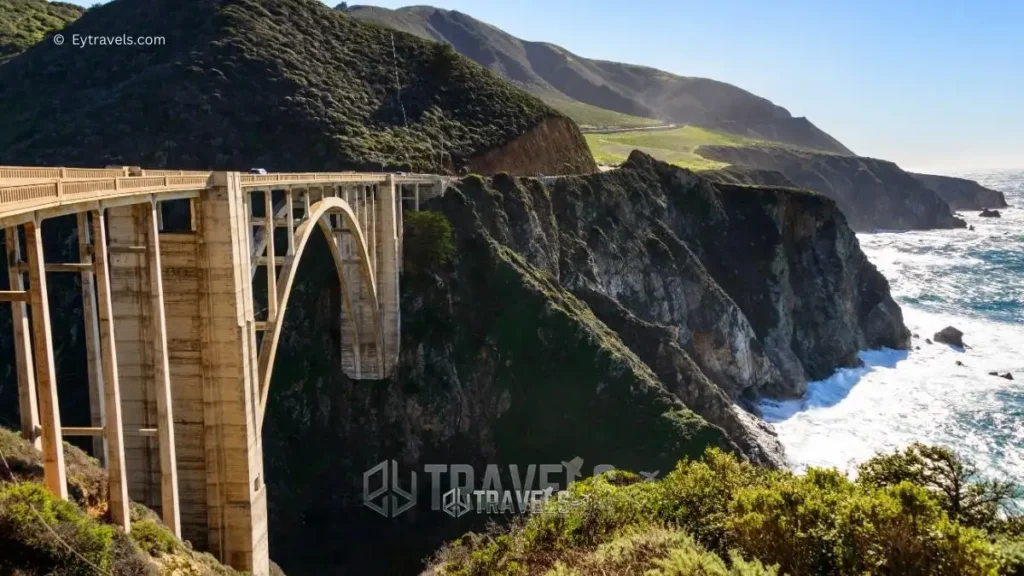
x=921, y=511
x=41, y=534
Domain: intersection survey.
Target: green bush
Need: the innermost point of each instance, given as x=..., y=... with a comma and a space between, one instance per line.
x=719, y=516
x=153, y=538
x=427, y=243
x=49, y=534
x=955, y=483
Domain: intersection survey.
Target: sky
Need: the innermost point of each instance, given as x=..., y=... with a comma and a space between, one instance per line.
x=930, y=84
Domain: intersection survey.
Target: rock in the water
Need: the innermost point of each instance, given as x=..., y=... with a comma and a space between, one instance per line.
x=959, y=363
x=927, y=340
x=986, y=213
x=950, y=335
x=1008, y=376
x=971, y=227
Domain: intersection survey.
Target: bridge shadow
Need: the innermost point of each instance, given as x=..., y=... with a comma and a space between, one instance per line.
x=834, y=389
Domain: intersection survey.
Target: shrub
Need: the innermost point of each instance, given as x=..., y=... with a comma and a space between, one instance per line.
x=721, y=516
x=955, y=483
x=50, y=534
x=427, y=242
x=153, y=538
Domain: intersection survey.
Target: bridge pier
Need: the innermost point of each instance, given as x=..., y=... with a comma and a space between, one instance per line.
x=236, y=498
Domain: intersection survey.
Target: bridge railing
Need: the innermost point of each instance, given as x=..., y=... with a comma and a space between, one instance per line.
x=30, y=193
x=26, y=197
x=285, y=178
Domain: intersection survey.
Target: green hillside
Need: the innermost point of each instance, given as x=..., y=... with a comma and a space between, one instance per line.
x=284, y=84
x=636, y=91
x=25, y=22
x=676, y=146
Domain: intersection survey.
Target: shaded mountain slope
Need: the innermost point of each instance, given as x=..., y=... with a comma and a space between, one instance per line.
x=873, y=194
x=287, y=84
x=25, y=22
x=556, y=74
x=963, y=194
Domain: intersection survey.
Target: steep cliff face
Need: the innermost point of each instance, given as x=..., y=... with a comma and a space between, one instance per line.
x=963, y=194
x=553, y=147
x=874, y=194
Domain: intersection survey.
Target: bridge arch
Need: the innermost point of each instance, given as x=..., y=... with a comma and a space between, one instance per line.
x=318, y=217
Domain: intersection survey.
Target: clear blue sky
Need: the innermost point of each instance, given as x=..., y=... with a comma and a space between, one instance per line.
x=930, y=84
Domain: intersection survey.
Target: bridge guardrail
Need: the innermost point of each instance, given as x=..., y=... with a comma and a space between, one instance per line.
x=285, y=178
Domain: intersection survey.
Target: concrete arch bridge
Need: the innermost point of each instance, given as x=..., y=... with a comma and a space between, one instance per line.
x=179, y=354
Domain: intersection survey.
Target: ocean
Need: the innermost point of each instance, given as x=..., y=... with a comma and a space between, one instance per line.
x=971, y=280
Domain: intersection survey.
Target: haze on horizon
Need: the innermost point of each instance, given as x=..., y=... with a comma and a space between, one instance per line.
x=935, y=86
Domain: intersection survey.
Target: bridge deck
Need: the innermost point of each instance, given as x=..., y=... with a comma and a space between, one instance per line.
x=25, y=191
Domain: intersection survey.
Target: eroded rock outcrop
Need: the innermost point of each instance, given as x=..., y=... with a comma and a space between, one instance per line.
x=963, y=194
x=873, y=194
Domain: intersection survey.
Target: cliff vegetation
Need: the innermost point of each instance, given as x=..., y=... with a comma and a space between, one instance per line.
x=717, y=516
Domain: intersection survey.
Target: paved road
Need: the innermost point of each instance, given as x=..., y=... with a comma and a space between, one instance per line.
x=618, y=130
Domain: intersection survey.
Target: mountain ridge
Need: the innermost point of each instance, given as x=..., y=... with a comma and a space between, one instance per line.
x=554, y=73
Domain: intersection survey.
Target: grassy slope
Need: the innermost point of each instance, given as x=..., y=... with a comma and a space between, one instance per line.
x=588, y=116
x=25, y=22
x=676, y=146
x=286, y=84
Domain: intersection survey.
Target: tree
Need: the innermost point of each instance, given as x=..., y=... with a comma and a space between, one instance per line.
x=967, y=497
x=427, y=244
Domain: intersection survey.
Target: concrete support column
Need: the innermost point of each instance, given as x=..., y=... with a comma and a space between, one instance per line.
x=388, y=290
x=235, y=491
x=94, y=359
x=268, y=202
x=55, y=475
x=28, y=404
x=113, y=431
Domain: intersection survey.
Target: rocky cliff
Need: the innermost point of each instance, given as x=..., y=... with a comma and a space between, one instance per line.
x=289, y=85
x=963, y=194
x=624, y=318
x=874, y=194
